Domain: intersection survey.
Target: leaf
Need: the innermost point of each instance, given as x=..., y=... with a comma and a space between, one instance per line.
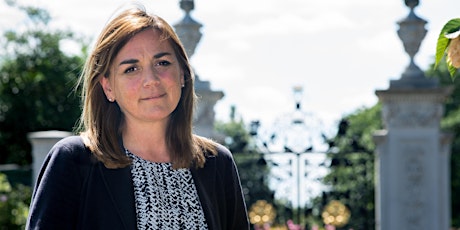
x=450, y=29
x=451, y=26
x=452, y=71
x=441, y=47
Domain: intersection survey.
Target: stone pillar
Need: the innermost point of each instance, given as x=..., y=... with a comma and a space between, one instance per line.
x=413, y=154
x=42, y=142
x=413, y=160
x=204, y=115
x=189, y=33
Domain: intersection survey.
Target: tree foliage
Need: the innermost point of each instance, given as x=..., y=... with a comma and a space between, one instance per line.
x=351, y=176
x=237, y=137
x=252, y=167
x=36, y=82
x=14, y=204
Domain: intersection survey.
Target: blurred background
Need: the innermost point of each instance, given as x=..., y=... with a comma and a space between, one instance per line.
x=292, y=88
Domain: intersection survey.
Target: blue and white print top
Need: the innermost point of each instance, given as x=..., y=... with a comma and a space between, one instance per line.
x=166, y=198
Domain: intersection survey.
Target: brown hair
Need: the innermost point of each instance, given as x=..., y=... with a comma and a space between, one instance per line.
x=101, y=120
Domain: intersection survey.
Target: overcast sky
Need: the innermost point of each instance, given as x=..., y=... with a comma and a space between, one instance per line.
x=256, y=51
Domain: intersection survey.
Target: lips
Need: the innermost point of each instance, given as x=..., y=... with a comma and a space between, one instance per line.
x=153, y=97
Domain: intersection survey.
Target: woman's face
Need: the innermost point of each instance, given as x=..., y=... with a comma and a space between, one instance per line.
x=145, y=79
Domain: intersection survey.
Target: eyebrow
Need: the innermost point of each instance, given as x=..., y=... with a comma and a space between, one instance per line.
x=162, y=54
x=132, y=61
x=128, y=61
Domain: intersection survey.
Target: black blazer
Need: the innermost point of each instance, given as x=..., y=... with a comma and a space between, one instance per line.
x=75, y=191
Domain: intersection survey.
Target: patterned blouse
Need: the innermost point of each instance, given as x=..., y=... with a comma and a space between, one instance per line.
x=165, y=198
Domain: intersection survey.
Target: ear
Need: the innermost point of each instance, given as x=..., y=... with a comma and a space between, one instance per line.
x=107, y=87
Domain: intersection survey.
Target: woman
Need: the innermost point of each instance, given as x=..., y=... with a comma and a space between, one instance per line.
x=136, y=163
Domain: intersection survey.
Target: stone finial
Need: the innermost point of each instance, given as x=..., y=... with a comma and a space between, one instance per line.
x=187, y=5
x=188, y=29
x=411, y=3
x=412, y=32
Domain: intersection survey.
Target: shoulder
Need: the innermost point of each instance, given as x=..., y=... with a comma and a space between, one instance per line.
x=68, y=159
x=211, y=148
x=71, y=142
x=59, y=184
x=70, y=148
x=222, y=157
x=223, y=151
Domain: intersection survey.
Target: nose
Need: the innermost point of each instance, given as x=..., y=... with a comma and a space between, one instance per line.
x=151, y=77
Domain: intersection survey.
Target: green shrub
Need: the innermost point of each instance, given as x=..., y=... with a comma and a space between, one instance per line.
x=14, y=204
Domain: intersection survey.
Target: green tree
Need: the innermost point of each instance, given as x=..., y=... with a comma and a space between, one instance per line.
x=237, y=138
x=351, y=176
x=252, y=167
x=36, y=82
x=14, y=204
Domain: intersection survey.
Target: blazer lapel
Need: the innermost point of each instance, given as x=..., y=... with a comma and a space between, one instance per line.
x=120, y=190
x=204, y=179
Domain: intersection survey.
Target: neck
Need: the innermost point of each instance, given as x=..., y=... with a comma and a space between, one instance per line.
x=147, y=141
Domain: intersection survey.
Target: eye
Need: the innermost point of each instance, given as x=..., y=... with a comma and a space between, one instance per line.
x=131, y=69
x=163, y=63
